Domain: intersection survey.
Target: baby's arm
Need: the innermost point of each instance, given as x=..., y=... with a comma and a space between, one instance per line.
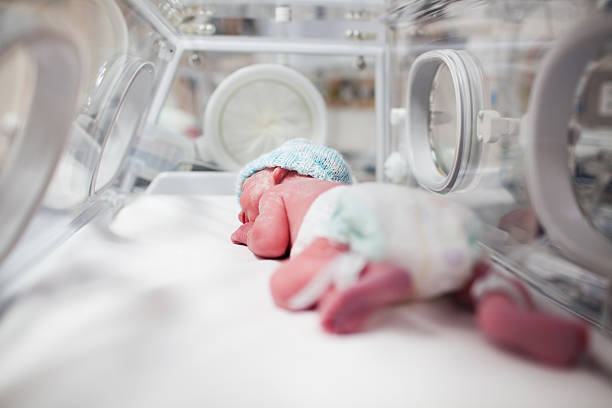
x=268, y=236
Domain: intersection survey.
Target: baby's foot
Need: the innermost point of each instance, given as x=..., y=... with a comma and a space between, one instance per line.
x=381, y=284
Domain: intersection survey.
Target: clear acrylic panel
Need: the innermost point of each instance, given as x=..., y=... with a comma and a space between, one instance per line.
x=346, y=85
x=122, y=55
x=496, y=49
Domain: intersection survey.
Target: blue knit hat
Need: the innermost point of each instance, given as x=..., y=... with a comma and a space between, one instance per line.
x=303, y=156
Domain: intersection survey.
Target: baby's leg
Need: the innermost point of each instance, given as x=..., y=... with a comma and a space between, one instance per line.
x=514, y=324
x=380, y=285
x=293, y=275
x=543, y=337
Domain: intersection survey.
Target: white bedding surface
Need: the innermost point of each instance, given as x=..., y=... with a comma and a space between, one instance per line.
x=162, y=310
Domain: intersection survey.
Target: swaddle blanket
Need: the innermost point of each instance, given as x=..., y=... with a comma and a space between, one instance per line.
x=432, y=238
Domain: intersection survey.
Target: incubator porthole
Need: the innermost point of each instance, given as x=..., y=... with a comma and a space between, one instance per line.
x=446, y=90
x=259, y=107
x=36, y=64
x=97, y=27
x=16, y=76
x=117, y=109
x=590, y=145
x=573, y=201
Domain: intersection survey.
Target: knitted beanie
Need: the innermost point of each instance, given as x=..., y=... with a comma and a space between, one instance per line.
x=303, y=156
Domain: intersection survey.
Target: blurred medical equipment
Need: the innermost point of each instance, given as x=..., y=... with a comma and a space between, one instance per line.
x=503, y=105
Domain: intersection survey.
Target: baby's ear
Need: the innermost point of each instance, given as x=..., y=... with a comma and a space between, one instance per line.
x=278, y=174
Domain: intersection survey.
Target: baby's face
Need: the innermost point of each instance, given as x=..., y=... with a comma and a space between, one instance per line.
x=252, y=190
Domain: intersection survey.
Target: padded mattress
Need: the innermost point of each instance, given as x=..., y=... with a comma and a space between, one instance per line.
x=160, y=309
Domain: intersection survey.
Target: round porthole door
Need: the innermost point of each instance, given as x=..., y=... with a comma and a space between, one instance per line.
x=446, y=92
x=569, y=144
x=119, y=105
x=40, y=68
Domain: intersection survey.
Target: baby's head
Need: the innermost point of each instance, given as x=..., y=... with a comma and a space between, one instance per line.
x=299, y=155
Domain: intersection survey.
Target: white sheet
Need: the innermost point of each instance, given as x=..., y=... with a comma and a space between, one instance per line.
x=162, y=310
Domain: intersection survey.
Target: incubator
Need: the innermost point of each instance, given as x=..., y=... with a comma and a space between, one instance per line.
x=484, y=124
x=505, y=106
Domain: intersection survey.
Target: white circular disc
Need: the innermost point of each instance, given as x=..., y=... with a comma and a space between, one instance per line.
x=259, y=107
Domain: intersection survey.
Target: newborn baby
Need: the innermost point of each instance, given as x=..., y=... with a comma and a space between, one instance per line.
x=357, y=248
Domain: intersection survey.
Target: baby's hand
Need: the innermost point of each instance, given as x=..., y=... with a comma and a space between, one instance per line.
x=240, y=235
x=265, y=228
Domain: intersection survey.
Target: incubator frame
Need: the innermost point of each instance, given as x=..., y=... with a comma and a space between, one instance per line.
x=181, y=43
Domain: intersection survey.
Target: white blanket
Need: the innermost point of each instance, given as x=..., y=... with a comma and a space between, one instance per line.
x=161, y=310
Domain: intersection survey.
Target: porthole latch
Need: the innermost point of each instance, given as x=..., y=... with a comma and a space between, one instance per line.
x=491, y=126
